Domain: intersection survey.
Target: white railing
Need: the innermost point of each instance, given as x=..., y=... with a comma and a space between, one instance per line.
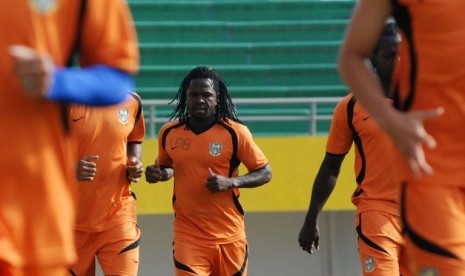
x=312, y=117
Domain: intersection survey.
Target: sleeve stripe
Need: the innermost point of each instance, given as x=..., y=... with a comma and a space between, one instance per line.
x=139, y=105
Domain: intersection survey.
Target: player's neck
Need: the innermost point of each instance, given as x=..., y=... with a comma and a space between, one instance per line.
x=200, y=125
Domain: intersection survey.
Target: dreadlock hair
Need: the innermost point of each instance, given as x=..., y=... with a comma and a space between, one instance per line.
x=390, y=30
x=225, y=109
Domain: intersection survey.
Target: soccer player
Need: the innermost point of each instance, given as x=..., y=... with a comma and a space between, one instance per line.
x=202, y=150
x=426, y=122
x=377, y=195
x=109, y=145
x=37, y=205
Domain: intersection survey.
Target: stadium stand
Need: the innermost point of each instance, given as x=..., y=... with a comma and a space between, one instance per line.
x=262, y=48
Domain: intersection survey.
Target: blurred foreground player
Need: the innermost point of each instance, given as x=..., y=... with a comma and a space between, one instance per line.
x=426, y=123
x=37, y=208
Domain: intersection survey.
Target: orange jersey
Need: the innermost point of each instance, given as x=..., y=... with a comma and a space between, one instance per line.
x=431, y=74
x=37, y=205
x=201, y=214
x=378, y=182
x=105, y=131
x=434, y=228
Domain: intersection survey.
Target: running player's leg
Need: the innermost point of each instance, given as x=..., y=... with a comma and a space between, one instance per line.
x=404, y=264
x=7, y=269
x=380, y=242
x=193, y=259
x=434, y=217
x=120, y=253
x=49, y=271
x=86, y=247
x=233, y=259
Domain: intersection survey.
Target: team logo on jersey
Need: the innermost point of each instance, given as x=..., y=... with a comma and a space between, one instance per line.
x=429, y=271
x=123, y=115
x=369, y=264
x=215, y=148
x=43, y=6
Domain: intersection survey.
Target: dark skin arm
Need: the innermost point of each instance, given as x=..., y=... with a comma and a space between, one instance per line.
x=134, y=167
x=155, y=173
x=87, y=168
x=323, y=186
x=218, y=183
x=215, y=183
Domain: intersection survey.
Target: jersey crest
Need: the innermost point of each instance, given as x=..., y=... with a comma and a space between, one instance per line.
x=215, y=148
x=429, y=272
x=43, y=6
x=123, y=115
x=369, y=264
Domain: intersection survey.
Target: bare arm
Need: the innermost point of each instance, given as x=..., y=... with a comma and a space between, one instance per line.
x=134, y=149
x=87, y=168
x=219, y=183
x=323, y=186
x=405, y=129
x=155, y=173
x=134, y=167
x=361, y=37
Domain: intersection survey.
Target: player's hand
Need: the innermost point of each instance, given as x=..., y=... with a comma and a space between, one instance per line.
x=218, y=183
x=309, y=237
x=87, y=168
x=33, y=69
x=409, y=135
x=153, y=173
x=135, y=168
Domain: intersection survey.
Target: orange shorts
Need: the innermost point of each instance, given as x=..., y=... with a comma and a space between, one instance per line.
x=117, y=250
x=210, y=259
x=434, y=222
x=7, y=269
x=380, y=244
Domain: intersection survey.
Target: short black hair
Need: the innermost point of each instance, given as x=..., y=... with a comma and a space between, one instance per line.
x=225, y=109
x=390, y=30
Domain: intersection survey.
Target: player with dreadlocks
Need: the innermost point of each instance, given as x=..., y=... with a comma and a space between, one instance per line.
x=225, y=109
x=201, y=148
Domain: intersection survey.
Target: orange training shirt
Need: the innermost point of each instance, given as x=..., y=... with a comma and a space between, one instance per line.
x=203, y=216
x=106, y=201
x=377, y=176
x=37, y=211
x=431, y=74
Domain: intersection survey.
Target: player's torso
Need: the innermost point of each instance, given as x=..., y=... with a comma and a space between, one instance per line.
x=40, y=158
x=104, y=131
x=431, y=74
x=194, y=153
x=33, y=25
x=216, y=216
x=376, y=165
x=431, y=52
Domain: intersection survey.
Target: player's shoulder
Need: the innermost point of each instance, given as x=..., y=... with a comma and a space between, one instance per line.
x=346, y=99
x=134, y=95
x=133, y=98
x=237, y=127
x=171, y=125
x=342, y=105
